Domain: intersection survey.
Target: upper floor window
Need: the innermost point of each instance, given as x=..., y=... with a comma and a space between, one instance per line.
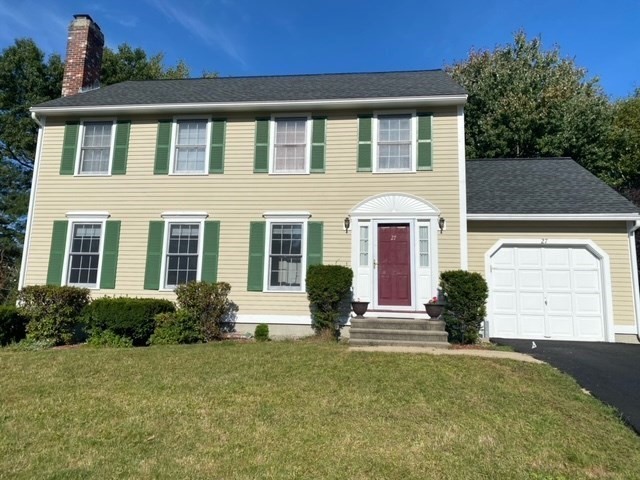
x=190, y=146
x=290, y=145
x=395, y=141
x=96, y=148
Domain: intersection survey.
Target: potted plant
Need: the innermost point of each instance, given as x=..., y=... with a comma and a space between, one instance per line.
x=434, y=308
x=359, y=308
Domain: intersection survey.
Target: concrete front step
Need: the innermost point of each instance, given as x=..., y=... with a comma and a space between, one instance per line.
x=406, y=335
x=397, y=324
x=396, y=343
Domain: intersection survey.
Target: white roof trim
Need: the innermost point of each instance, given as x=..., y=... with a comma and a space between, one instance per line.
x=381, y=102
x=555, y=217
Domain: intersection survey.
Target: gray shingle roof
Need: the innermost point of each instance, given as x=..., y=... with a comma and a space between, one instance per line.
x=264, y=89
x=539, y=186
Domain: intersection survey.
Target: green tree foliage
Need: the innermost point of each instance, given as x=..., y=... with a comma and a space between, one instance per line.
x=625, y=141
x=26, y=79
x=528, y=102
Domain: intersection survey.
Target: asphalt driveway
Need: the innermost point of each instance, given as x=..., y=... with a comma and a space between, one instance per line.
x=610, y=371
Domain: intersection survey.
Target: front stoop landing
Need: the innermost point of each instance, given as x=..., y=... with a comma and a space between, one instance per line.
x=404, y=332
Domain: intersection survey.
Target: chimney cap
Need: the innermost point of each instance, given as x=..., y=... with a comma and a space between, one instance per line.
x=84, y=19
x=83, y=15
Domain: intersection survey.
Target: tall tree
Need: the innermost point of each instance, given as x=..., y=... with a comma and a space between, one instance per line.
x=625, y=141
x=528, y=102
x=28, y=78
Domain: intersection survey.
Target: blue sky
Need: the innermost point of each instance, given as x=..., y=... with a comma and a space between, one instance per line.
x=260, y=37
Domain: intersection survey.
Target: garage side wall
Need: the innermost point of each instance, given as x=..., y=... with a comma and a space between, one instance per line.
x=609, y=236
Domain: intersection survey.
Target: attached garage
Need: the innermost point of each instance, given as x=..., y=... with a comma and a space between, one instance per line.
x=547, y=292
x=557, y=248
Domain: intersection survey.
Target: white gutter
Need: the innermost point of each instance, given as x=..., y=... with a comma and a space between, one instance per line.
x=32, y=198
x=632, y=227
x=557, y=217
x=396, y=102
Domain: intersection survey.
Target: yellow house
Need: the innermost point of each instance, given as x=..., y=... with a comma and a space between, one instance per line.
x=141, y=186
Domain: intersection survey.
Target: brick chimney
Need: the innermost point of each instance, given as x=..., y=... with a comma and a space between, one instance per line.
x=84, y=56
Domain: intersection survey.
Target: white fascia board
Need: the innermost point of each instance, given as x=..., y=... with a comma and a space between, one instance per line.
x=395, y=102
x=557, y=217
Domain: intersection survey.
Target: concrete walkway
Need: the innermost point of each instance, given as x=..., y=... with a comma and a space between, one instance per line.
x=467, y=352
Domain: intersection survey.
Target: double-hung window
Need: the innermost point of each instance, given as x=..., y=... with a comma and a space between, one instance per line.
x=96, y=148
x=290, y=145
x=182, y=253
x=285, y=259
x=395, y=143
x=190, y=146
x=84, y=254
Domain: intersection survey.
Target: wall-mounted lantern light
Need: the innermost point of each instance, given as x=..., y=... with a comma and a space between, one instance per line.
x=442, y=223
x=347, y=224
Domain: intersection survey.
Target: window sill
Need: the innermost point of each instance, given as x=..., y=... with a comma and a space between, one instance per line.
x=394, y=172
x=288, y=173
x=285, y=291
x=91, y=174
x=189, y=174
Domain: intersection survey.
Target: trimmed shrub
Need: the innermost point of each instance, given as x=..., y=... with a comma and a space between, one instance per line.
x=328, y=287
x=13, y=325
x=108, y=339
x=466, y=296
x=133, y=318
x=174, y=328
x=261, y=333
x=209, y=305
x=54, y=312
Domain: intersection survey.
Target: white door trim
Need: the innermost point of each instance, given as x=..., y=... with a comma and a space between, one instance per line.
x=605, y=270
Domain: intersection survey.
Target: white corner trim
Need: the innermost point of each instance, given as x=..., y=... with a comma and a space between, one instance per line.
x=556, y=217
x=589, y=244
x=32, y=199
x=183, y=108
x=185, y=215
x=287, y=214
x=462, y=192
x=274, y=319
x=101, y=215
x=633, y=259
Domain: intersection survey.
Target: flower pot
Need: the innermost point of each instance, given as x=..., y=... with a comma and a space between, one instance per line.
x=434, y=310
x=359, y=308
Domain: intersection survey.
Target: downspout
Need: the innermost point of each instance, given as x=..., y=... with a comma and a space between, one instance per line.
x=632, y=227
x=32, y=199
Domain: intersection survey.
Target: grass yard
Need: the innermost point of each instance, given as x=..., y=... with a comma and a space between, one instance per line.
x=293, y=410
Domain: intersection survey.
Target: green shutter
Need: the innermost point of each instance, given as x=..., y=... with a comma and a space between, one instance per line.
x=424, y=141
x=69, y=147
x=121, y=148
x=216, y=155
x=210, y=251
x=257, y=238
x=163, y=145
x=364, y=143
x=110, y=254
x=261, y=158
x=154, y=255
x=318, y=139
x=56, y=255
x=314, y=243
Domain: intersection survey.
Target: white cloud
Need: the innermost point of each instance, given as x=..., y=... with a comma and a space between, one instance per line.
x=214, y=36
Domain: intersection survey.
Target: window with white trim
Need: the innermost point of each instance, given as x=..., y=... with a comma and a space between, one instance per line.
x=290, y=145
x=286, y=256
x=364, y=245
x=423, y=232
x=395, y=143
x=190, y=146
x=84, y=254
x=182, y=253
x=95, y=148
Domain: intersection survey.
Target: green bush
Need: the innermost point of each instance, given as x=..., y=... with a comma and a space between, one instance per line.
x=466, y=296
x=106, y=338
x=328, y=287
x=13, y=325
x=174, y=328
x=261, y=333
x=54, y=312
x=133, y=318
x=209, y=305
x=29, y=344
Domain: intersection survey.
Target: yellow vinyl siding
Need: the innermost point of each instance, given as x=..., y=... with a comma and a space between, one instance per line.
x=609, y=236
x=236, y=198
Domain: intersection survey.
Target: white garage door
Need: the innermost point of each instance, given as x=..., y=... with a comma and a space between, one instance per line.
x=546, y=293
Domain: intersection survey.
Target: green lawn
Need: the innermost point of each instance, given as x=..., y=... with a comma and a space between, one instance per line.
x=299, y=410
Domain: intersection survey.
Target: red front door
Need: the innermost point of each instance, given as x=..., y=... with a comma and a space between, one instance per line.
x=394, y=265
